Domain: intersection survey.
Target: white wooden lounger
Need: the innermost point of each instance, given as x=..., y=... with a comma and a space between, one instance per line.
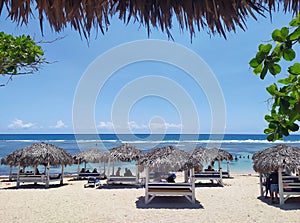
x=122, y=180
x=291, y=186
x=210, y=175
x=38, y=179
x=169, y=189
x=87, y=175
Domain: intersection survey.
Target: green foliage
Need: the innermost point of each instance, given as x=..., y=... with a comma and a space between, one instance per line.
x=19, y=55
x=285, y=110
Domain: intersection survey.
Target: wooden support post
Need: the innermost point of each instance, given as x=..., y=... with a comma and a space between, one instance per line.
x=10, y=172
x=280, y=184
x=62, y=174
x=261, y=185
x=48, y=175
x=136, y=172
x=108, y=169
x=146, y=185
x=18, y=176
x=192, y=173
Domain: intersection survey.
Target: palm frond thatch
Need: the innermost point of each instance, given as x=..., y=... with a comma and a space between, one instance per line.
x=125, y=153
x=217, y=16
x=200, y=155
x=281, y=155
x=38, y=154
x=90, y=156
x=167, y=157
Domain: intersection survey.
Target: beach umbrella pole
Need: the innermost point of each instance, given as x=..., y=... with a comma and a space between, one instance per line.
x=280, y=184
x=261, y=185
x=48, y=175
x=62, y=175
x=18, y=176
x=10, y=172
x=146, y=185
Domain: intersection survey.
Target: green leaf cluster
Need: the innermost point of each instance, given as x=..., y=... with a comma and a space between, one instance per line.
x=285, y=111
x=19, y=55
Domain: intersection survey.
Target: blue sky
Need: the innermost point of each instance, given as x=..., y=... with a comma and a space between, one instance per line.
x=43, y=102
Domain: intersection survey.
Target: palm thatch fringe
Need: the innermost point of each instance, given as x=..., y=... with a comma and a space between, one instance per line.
x=217, y=16
x=278, y=156
x=38, y=154
x=125, y=153
x=167, y=158
x=199, y=156
x=90, y=156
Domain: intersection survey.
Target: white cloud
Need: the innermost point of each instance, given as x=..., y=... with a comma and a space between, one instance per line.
x=105, y=125
x=159, y=125
x=59, y=124
x=134, y=125
x=19, y=124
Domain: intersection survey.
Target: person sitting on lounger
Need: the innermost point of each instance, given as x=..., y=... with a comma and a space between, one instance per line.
x=95, y=170
x=171, y=178
x=82, y=170
x=209, y=168
x=128, y=172
x=118, y=173
x=274, y=189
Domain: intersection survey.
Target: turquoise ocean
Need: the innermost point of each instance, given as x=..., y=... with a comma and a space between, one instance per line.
x=241, y=146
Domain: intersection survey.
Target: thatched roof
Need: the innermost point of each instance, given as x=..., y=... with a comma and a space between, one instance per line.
x=38, y=154
x=90, y=156
x=167, y=157
x=216, y=16
x=271, y=159
x=125, y=153
x=200, y=155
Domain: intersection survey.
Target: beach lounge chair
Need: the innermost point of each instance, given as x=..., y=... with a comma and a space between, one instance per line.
x=39, y=179
x=210, y=175
x=87, y=175
x=92, y=181
x=290, y=186
x=169, y=189
x=132, y=180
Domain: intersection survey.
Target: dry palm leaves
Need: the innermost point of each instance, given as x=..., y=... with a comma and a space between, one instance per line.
x=218, y=16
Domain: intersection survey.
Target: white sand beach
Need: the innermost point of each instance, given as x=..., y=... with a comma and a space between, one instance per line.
x=237, y=201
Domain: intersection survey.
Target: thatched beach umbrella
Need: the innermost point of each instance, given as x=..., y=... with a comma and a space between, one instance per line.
x=124, y=153
x=200, y=155
x=39, y=154
x=279, y=156
x=276, y=158
x=167, y=157
x=90, y=156
x=216, y=16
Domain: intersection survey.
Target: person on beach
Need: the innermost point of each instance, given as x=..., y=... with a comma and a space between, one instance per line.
x=128, y=172
x=82, y=170
x=171, y=178
x=209, y=168
x=118, y=173
x=274, y=188
x=95, y=170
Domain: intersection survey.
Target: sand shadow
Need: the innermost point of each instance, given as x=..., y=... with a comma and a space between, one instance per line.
x=120, y=186
x=34, y=186
x=292, y=203
x=168, y=202
x=201, y=184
